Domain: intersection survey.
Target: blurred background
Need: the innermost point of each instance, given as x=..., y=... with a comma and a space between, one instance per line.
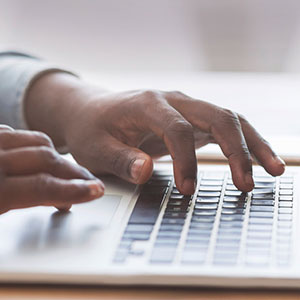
x=241, y=54
x=168, y=35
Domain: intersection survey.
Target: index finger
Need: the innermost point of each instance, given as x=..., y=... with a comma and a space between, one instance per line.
x=177, y=134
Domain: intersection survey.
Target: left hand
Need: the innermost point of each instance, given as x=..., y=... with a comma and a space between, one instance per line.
x=120, y=133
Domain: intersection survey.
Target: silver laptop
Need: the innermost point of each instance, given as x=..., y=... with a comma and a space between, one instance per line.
x=153, y=235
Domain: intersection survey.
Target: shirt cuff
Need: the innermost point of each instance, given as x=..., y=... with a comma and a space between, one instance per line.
x=17, y=74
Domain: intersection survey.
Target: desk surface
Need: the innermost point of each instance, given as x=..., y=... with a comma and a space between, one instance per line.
x=62, y=293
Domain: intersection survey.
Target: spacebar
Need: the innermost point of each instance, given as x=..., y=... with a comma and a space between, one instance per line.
x=147, y=208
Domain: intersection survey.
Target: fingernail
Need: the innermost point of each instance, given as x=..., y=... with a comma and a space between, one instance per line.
x=189, y=185
x=279, y=160
x=136, y=168
x=96, y=188
x=249, y=180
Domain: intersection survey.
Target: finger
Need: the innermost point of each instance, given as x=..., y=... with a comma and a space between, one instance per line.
x=32, y=160
x=178, y=136
x=228, y=133
x=261, y=149
x=225, y=128
x=46, y=190
x=116, y=158
x=10, y=139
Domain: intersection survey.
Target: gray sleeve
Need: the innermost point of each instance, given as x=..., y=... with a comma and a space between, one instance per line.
x=17, y=73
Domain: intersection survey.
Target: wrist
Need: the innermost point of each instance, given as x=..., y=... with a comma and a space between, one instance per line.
x=51, y=102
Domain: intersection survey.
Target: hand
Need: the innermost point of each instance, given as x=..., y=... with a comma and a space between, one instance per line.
x=120, y=133
x=32, y=173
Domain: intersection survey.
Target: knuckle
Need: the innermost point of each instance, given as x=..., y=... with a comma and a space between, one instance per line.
x=43, y=138
x=50, y=156
x=150, y=97
x=225, y=117
x=180, y=127
x=242, y=118
x=176, y=94
x=119, y=164
x=43, y=183
x=6, y=136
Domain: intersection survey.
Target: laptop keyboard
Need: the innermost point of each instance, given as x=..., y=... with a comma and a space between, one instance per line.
x=218, y=225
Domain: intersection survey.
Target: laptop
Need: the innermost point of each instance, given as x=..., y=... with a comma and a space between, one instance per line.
x=153, y=235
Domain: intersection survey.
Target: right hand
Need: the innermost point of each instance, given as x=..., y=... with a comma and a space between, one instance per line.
x=32, y=173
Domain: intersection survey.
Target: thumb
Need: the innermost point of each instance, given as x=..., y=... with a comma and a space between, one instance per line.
x=129, y=163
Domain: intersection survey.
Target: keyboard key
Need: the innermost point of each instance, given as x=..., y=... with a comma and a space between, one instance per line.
x=197, y=240
x=288, y=186
x=263, y=191
x=268, y=202
x=229, y=231
x=183, y=209
x=270, y=196
x=139, y=227
x=259, y=235
x=197, y=231
x=210, y=188
x=171, y=227
x=172, y=221
x=261, y=208
x=232, y=211
x=263, y=179
x=180, y=197
x=212, y=182
x=136, y=235
x=232, y=224
x=285, y=217
x=230, y=205
x=289, y=180
x=204, y=212
x=235, y=199
x=193, y=257
x=285, y=210
x=211, y=176
x=261, y=214
x=260, y=227
x=285, y=192
x=228, y=240
x=175, y=215
x=203, y=219
x=263, y=185
x=233, y=193
x=261, y=221
x=286, y=204
x=208, y=200
x=209, y=194
x=206, y=206
x=162, y=255
x=284, y=224
x=231, y=187
x=229, y=218
x=166, y=243
x=204, y=225
x=168, y=235
x=286, y=198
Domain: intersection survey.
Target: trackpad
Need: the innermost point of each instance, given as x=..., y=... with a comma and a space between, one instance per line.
x=44, y=228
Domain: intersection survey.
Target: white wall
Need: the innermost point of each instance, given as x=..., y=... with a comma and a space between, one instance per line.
x=179, y=35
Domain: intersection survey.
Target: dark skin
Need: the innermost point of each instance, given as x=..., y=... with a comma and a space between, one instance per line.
x=120, y=133
x=33, y=173
x=116, y=133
